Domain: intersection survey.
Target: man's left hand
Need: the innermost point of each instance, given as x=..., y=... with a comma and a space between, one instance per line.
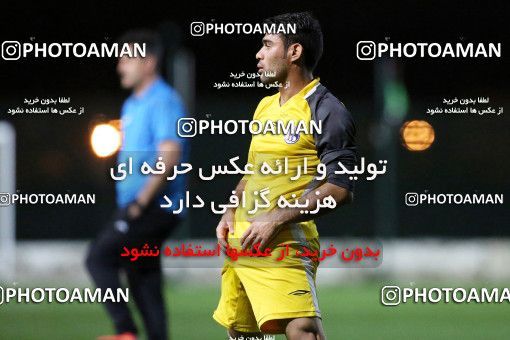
x=134, y=210
x=262, y=230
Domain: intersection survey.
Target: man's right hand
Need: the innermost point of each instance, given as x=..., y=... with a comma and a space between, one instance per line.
x=225, y=227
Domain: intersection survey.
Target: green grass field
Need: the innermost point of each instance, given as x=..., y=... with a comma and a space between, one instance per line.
x=350, y=312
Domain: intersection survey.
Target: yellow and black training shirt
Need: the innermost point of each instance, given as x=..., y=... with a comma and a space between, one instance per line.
x=335, y=143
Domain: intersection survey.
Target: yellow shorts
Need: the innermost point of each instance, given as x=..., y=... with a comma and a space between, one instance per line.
x=254, y=291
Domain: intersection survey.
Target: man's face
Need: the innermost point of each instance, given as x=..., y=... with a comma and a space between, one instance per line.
x=131, y=71
x=272, y=57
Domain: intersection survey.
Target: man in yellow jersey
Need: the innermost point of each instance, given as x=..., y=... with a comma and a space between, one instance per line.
x=268, y=294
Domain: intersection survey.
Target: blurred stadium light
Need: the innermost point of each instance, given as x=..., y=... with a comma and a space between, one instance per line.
x=106, y=138
x=417, y=135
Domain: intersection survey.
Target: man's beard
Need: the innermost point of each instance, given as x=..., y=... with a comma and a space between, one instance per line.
x=278, y=77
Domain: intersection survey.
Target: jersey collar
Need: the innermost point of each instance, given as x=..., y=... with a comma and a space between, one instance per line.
x=149, y=90
x=304, y=92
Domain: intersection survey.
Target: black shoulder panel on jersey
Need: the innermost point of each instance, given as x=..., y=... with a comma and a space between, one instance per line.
x=336, y=143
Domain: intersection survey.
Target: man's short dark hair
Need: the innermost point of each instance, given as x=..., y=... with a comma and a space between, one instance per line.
x=151, y=39
x=308, y=34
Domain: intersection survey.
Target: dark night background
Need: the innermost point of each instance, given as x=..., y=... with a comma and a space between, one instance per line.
x=470, y=154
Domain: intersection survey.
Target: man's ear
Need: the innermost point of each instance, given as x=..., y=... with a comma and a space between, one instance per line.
x=295, y=52
x=151, y=62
